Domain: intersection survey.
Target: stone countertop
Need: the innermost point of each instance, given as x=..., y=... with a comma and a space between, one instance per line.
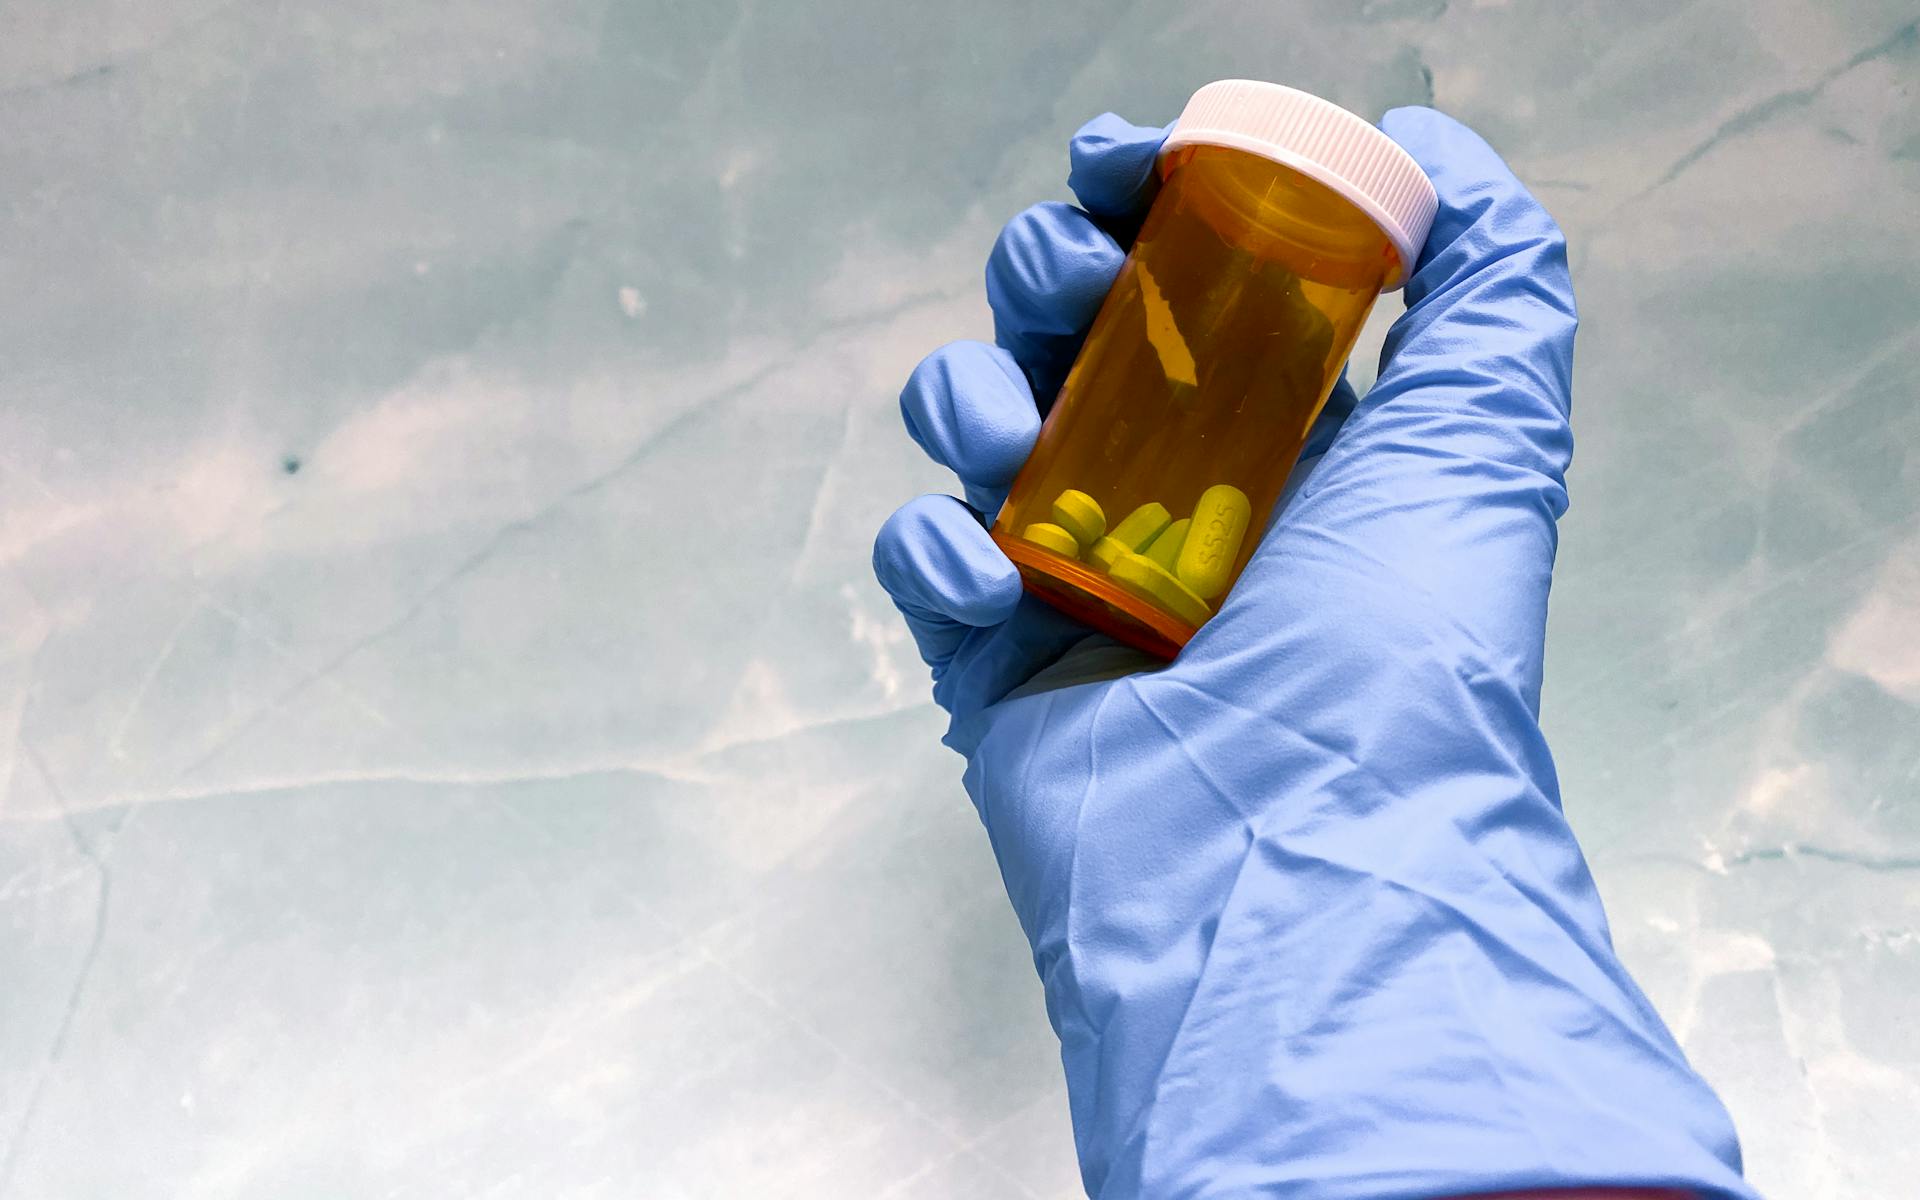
x=458, y=748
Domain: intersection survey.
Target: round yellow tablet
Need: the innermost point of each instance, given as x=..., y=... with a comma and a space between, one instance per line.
x=1054, y=538
x=1079, y=514
x=1141, y=525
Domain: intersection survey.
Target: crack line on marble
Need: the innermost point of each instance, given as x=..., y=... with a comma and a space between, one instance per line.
x=1018, y=150
x=1862, y=372
x=1836, y=497
x=57, y=1047
x=678, y=769
x=1770, y=592
x=970, y=1148
x=694, y=940
x=12, y=467
x=1758, y=113
x=133, y=58
x=727, y=47
x=816, y=509
x=1790, y=1041
x=494, y=542
x=959, y=1145
x=1564, y=185
x=29, y=673
x=116, y=744
x=248, y=625
x=1788, y=852
x=476, y=559
x=1889, y=349
x=30, y=882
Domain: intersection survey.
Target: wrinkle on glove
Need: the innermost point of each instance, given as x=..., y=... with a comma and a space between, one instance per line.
x=1308, y=915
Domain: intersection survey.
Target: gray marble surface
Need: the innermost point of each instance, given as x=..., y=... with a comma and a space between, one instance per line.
x=457, y=749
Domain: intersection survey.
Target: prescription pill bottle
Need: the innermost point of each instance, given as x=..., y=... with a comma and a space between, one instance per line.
x=1279, y=220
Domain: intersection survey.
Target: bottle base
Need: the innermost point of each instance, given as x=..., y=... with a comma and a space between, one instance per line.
x=1092, y=598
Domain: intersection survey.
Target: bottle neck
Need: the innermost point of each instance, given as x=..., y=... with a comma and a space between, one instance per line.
x=1274, y=212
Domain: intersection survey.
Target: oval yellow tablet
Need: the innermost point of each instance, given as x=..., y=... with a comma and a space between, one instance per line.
x=1079, y=514
x=1213, y=541
x=1165, y=549
x=1142, y=525
x=1153, y=583
x=1054, y=538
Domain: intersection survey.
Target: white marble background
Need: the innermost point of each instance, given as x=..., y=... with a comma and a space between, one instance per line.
x=457, y=749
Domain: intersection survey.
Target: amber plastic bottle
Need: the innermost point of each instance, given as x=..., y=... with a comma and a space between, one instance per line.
x=1279, y=220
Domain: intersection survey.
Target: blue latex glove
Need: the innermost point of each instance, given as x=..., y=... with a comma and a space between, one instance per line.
x=1308, y=915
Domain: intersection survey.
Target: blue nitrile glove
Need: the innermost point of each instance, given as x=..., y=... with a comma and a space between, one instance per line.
x=1308, y=915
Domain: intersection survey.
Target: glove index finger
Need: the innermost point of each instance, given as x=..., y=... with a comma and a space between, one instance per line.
x=1111, y=170
x=1478, y=194
x=944, y=573
x=968, y=406
x=1490, y=311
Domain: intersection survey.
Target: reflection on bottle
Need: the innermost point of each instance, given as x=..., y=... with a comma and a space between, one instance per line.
x=1162, y=334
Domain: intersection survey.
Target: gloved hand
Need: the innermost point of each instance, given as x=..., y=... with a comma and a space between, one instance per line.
x=1308, y=916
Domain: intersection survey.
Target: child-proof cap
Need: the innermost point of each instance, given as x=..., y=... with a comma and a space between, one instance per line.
x=1321, y=140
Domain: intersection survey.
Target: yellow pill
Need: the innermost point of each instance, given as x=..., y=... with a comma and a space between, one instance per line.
x=1165, y=549
x=1079, y=514
x=1142, y=525
x=1106, y=552
x=1153, y=583
x=1213, y=541
x=1053, y=538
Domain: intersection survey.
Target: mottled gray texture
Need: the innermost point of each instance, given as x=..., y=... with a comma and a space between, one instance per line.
x=458, y=749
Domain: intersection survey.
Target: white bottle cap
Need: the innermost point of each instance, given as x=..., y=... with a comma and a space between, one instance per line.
x=1321, y=140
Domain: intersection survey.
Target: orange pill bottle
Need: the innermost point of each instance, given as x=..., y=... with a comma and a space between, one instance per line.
x=1279, y=220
